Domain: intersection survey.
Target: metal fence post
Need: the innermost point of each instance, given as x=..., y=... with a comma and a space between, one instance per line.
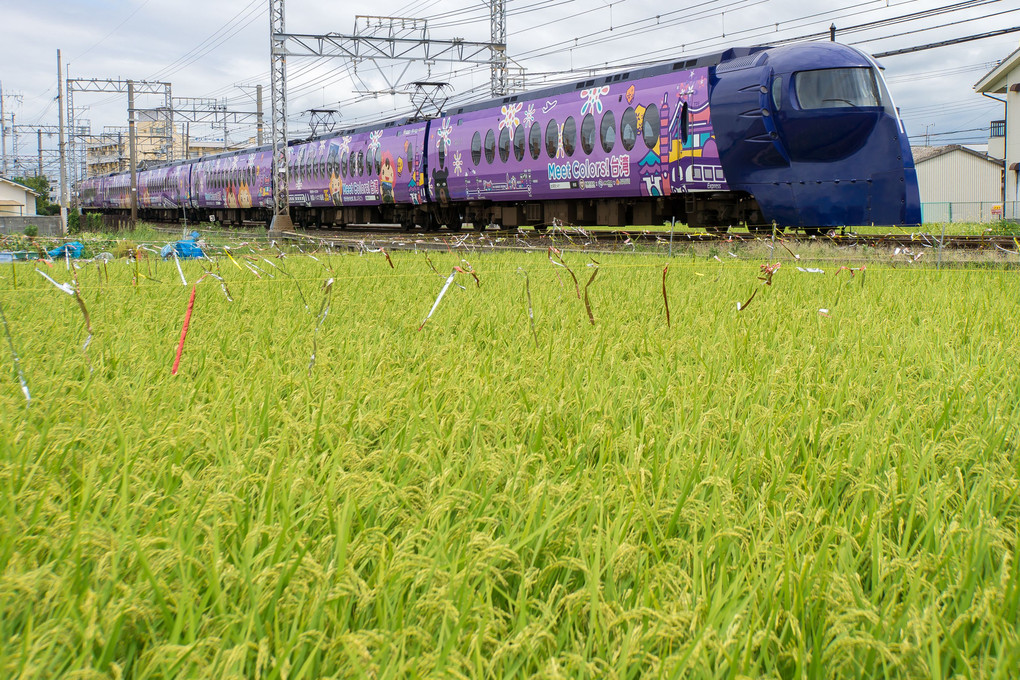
x=942, y=244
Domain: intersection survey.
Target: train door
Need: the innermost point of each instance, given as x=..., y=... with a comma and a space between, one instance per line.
x=425, y=162
x=664, y=145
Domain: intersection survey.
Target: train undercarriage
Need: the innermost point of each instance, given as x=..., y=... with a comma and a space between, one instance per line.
x=713, y=211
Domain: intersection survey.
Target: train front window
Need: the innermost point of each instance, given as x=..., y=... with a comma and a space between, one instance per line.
x=834, y=88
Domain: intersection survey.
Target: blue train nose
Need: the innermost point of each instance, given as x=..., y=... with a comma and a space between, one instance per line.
x=810, y=131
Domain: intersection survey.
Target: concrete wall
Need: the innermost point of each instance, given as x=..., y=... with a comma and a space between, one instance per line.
x=997, y=147
x=49, y=225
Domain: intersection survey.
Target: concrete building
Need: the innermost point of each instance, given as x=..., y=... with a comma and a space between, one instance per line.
x=1003, y=83
x=958, y=184
x=111, y=151
x=16, y=200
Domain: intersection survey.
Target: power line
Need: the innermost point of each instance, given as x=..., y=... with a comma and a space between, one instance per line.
x=925, y=75
x=944, y=43
x=252, y=11
x=114, y=30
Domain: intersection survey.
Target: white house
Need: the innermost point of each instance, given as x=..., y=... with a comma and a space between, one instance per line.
x=958, y=184
x=16, y=200
x=1003, y=82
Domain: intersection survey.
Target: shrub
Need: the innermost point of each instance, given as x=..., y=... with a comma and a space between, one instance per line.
x=31, y=230
x=124, y=249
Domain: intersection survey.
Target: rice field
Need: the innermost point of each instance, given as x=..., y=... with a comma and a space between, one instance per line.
x=824, y=482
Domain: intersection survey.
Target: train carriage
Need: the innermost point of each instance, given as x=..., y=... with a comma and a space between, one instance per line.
x=801, y=135
x=602, y=150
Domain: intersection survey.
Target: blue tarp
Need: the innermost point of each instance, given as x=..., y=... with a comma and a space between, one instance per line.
x=186, y=248
x=74, y=249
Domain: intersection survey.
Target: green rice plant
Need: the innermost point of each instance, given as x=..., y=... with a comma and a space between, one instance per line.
x=770, y=492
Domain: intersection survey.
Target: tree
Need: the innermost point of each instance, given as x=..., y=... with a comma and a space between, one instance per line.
x=41, y=185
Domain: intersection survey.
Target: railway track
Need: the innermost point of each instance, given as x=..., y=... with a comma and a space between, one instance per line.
x=621, y=239
x=392, y=235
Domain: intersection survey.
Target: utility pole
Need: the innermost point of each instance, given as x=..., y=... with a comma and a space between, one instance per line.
x=281, y=182
x=3, y=132
x=225, y=143
x=63, y=148
x=14, y=146
x=258, y=113
x=38, y=139
x=5, y=166
x=132, y=157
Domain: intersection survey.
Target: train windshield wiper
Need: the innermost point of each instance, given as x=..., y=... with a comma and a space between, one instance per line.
x=837, y=99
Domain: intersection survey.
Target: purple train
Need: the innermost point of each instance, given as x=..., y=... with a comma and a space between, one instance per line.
x=802, y=136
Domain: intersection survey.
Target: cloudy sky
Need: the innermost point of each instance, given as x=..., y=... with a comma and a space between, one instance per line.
x=220, y=49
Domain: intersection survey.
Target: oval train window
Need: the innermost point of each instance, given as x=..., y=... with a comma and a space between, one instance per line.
x=552, y=138
x=490, y=146
x=476, y=148
x=588, y=133
x=628, y=129
x=650, y=127
x=607, y=131
x=535, y=141
x=569, y=136
x=504, y=144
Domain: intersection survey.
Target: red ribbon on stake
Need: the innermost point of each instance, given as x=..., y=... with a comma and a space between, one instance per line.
x=184, y=329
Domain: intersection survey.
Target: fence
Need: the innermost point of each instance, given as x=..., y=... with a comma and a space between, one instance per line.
x=49, y=225
x=976, y=211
